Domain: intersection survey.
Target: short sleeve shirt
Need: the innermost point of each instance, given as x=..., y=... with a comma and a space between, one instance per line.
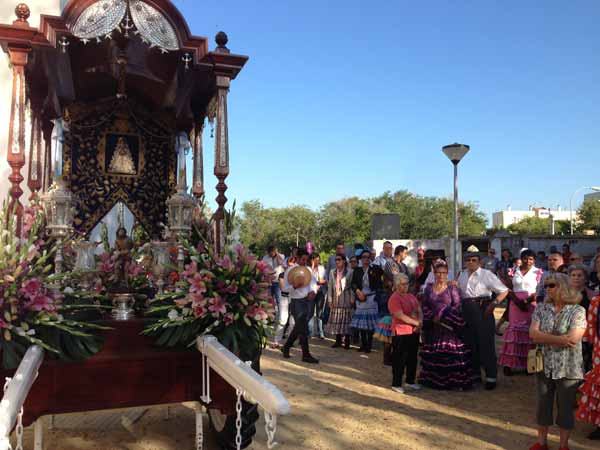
x=561, y=362
x=481, y=283
x=409, y=305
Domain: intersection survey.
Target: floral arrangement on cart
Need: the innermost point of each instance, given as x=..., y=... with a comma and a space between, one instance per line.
x=34, y=309
x=225, y=296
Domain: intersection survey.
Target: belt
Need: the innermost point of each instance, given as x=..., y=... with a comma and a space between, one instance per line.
x=478, y=300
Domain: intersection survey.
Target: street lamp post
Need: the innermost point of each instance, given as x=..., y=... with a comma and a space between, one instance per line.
x=455, y=152
x=591, y=188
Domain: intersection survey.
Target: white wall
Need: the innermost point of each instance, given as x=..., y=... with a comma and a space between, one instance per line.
x=7, y=16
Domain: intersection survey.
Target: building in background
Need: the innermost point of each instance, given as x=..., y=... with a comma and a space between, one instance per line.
x=591, y=196
x=503, y=219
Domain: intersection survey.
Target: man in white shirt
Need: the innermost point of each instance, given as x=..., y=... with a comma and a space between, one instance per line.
x=477, y=285
x=382, y=260
x=275, y=261
x=301, y=297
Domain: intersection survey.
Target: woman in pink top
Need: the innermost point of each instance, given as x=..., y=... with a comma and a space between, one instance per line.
x=406, y=323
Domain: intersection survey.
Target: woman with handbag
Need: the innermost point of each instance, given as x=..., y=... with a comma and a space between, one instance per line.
x=557, y=327
x=521, y=304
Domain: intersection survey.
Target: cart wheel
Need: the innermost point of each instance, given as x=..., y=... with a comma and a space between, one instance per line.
x=224, y=426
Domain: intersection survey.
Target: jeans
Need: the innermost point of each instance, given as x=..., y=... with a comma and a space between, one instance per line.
x=565, y=391
x=276, y=292
x=283, y=316
x=315, y=326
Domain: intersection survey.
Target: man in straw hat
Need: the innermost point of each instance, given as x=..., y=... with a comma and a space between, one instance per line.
x=301, y=286
x=476, y=288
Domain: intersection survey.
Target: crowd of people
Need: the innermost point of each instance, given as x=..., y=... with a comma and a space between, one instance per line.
x=551, y=317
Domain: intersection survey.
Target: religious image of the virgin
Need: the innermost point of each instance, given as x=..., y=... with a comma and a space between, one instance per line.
x=122, y=161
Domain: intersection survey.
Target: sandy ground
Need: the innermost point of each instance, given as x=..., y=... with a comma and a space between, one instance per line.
x=343, y=403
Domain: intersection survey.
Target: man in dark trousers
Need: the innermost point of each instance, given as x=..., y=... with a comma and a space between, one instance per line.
x=476, y=287
x=301, y=298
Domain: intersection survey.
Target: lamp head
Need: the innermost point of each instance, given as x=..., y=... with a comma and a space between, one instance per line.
x=455, y=152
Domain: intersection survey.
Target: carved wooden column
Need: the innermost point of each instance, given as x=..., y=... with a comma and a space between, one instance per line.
x=35, y=176
x=47, y=157
x=221, y=170
x=16, y=128
x=198, y=176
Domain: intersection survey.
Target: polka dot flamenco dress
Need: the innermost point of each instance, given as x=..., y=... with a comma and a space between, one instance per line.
x=589, y=403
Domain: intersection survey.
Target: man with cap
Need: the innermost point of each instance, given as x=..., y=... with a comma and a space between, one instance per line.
x=477, y=286
x=302, y=293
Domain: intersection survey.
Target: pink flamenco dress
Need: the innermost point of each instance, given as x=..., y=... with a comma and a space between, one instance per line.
x=589, y=402
x=517, y=342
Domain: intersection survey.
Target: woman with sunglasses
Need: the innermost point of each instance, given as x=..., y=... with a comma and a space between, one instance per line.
x=341, y=302
x=557, y=327
x=445, y=359
x=517, y=342
x=589, y=403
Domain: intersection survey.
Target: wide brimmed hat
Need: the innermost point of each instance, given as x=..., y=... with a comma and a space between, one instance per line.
x=299, y=274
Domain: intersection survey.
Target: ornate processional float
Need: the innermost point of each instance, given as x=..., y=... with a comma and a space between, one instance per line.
x=107, y=100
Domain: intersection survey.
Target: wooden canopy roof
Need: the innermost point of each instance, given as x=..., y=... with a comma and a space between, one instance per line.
x=60, y=68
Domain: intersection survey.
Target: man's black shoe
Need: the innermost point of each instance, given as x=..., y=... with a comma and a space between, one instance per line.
x=594, y=435
x=286, y=352
x=490, y=385
x=310, y=359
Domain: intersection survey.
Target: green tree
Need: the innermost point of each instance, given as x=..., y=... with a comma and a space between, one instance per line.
x=261, y=227
x=430, y=217
x=349, y=220
x=530, y=225
x=589, y=216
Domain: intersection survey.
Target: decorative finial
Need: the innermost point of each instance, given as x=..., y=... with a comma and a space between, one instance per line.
x=221, y=39
x=22, y=12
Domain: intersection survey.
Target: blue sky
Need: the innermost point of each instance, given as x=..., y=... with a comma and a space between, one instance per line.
x=343, y=98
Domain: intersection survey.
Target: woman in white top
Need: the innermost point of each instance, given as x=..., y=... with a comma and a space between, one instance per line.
x=522, y=303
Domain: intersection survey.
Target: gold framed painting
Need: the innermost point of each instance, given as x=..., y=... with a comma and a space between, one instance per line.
x=121, y=154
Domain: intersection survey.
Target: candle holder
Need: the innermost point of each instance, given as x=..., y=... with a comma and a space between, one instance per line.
x=160, y=260
x=85, y=261
x=58, y=206
x=123, y=309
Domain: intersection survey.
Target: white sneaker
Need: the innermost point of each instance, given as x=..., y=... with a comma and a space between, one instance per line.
x=398, y=389
x=415, y=386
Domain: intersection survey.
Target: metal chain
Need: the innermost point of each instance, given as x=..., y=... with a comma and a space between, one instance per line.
x=270, y=428
x=6, y=439
x=20, y=430
x=199, y=427
x=238, y=420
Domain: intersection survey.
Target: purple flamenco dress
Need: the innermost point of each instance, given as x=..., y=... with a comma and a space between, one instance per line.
x=445, y=359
